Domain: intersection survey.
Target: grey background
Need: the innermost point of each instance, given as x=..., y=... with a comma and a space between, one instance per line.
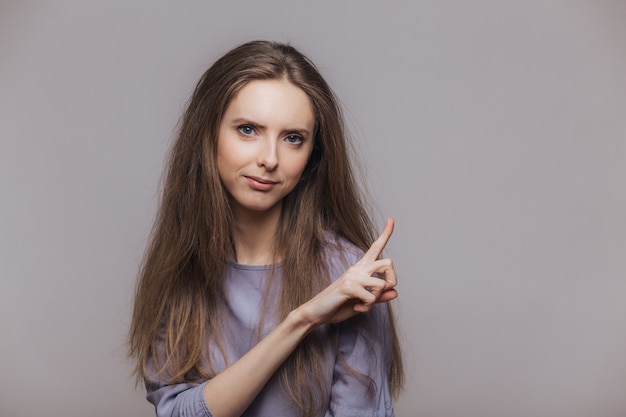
x=493, y=131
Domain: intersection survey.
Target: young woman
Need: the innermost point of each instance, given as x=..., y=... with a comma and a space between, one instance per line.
x=262, y=291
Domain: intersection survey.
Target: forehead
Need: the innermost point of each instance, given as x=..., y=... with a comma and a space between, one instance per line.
x=272, y=101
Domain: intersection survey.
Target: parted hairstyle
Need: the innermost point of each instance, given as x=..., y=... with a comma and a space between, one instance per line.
x=179, y=291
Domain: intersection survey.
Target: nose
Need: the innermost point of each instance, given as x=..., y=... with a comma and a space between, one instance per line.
x=268, y=155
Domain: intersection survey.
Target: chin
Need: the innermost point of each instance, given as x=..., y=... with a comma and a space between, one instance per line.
x=257, y=206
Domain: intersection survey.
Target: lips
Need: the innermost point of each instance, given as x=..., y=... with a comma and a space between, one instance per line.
x=260, y=184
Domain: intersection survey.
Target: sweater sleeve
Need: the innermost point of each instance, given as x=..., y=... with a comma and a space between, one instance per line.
x=178, y=400
x=184, y=399
x=360, y=386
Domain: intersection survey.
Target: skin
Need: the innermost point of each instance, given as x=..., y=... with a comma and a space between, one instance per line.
x=260, y=162
x=264, y=143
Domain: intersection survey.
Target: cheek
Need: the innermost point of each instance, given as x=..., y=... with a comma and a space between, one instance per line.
x=226, y=156
x=298, y=165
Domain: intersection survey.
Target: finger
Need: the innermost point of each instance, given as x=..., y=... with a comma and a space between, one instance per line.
x=379, y=274
x=363, y=307
x=379, y=244
x=383, y=269
x=389, y=275
x=360, y=286
x=377, y=286
x=366, y=295
x=387, y=296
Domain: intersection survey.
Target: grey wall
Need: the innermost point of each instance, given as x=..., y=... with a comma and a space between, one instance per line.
x=493, y=131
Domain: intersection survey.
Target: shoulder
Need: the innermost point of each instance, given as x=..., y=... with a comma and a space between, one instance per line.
x=339, y=254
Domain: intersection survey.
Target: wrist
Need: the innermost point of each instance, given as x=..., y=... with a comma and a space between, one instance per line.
x=300, y=319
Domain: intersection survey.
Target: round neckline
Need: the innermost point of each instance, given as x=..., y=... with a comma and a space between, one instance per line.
x=254, y=267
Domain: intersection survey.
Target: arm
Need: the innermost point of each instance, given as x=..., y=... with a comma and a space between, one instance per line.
x=230, y=392
x=223, y=395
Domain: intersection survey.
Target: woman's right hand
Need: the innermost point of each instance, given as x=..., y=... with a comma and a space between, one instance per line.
x=357, y=289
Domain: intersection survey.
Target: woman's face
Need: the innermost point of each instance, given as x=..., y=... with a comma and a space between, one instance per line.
x=264, y=143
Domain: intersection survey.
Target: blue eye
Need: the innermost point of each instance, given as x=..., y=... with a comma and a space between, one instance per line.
x=295, y=139
x=246, y=129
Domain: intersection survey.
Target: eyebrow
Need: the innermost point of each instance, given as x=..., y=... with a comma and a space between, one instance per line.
x=244, y=121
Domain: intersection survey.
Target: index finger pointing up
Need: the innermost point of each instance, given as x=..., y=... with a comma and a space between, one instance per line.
x=379, y=244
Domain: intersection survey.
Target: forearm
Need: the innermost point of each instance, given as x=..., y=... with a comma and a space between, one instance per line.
x=229, y=393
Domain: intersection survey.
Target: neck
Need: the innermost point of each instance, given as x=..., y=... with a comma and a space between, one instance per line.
x=254, y=235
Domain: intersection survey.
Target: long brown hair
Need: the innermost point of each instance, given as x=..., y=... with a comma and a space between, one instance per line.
x=179, y=290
